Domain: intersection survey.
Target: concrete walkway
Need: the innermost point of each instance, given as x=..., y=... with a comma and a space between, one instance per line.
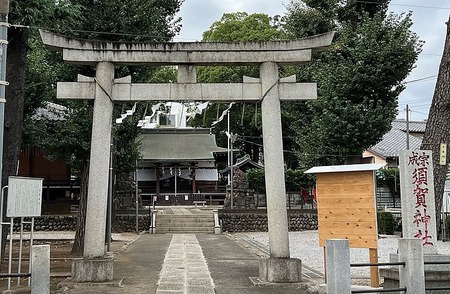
x=188, y=263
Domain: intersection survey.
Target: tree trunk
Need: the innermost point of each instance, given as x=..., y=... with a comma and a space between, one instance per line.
x=437, y=130
x=78, y=244
x=15, y=93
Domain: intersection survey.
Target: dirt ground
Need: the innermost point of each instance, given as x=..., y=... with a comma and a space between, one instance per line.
x=60, y=263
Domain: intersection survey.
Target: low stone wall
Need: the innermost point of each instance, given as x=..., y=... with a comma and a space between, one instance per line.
x=48, y=223
x=236, y=220
x=126, y=223
x=256, y=220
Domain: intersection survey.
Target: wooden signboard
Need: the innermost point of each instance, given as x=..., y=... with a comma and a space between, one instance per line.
x=346, y=207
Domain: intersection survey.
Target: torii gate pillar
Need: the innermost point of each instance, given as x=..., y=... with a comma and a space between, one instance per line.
x=95, y=266
x=279, y=267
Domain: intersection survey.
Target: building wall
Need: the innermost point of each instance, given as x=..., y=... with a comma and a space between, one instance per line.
x=32, y=163
x=375, y=158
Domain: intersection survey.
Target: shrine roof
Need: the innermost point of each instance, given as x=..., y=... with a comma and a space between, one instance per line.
x=178, y=145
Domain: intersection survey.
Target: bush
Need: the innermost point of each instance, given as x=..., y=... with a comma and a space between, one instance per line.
x=386, y=223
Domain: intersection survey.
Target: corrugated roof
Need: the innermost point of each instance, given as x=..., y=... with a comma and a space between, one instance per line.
x=414, y=126
x=393, y=142
x=178, y=146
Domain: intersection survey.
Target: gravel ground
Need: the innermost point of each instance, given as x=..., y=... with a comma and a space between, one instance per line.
x=305, y=246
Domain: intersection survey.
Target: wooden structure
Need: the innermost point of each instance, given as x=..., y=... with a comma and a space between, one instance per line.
x=346, y=207
x=179, y=166
x=60, y=189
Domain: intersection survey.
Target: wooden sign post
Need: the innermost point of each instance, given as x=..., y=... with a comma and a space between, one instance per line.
x=346, y=207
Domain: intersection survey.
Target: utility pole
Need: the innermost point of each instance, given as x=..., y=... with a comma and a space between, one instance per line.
x=407, y=127
x=4, y=10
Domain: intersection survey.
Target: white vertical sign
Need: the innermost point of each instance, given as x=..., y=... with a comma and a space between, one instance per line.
x=417, y=196
x=24, y=197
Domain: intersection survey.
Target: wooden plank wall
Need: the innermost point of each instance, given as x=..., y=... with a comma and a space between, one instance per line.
x=346, y=208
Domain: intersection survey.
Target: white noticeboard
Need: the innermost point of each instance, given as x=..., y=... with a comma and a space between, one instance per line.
x=24, y=197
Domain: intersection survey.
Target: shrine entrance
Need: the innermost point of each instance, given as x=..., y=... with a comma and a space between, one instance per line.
x=268, y=90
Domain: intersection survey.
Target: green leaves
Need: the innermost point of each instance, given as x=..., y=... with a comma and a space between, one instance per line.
x=240, y=26
x=133, y=20
x=295, y=180
x=359, y=81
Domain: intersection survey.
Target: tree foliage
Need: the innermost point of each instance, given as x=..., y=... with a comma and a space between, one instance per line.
x=295, y=179
x=359, y=78
x=240, y=26
x=24, y=13
x=245, y=117
x=135, y=20
x=132, y=20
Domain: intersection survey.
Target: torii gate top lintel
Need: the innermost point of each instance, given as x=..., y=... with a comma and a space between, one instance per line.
x=199, y=53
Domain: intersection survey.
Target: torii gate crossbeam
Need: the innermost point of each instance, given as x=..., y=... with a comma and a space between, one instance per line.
x=269, y=89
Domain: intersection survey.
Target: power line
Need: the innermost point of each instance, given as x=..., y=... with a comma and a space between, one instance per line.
x=421, y=79
x=418, y=112
x=421, y=6
x=406, y=5
x=304, y=154
x=92, y=32
x=416, y=101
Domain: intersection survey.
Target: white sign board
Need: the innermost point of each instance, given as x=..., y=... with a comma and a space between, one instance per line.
x=24, y=197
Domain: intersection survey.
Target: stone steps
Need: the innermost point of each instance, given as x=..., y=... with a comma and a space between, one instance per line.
x=190, y=223
x=184, y=230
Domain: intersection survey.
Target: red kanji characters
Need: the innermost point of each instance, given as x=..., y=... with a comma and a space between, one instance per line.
x=421, y=196
x=420, y=176
x=419, y=160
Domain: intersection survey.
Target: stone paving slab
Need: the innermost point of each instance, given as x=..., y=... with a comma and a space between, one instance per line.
x=184, y=257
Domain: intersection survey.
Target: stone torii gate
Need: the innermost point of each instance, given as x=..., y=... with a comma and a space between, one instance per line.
x=95, y=266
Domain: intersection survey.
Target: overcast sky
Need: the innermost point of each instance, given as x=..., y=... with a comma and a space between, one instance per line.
x=429, y=19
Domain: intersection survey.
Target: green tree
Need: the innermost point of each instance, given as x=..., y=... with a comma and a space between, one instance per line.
x=240, y=26
x=295, y=180
x=56, y=14
x=68, y=138
x=136, y=20
x=359, y=79
x=255, y=178
x=245, y=118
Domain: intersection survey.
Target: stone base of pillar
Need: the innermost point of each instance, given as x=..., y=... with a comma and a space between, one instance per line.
x=280, y=270
x=92, y=270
